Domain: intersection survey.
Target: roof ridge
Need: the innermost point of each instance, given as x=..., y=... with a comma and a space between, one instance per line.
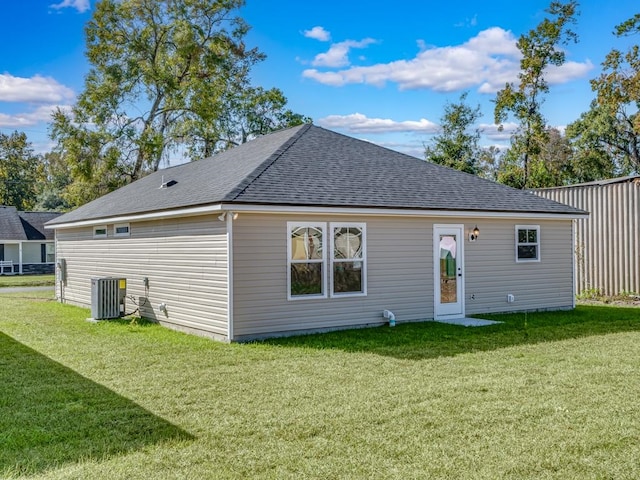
x=264, y=166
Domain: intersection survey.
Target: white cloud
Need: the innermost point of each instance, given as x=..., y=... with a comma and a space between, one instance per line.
x=488, y=61
x=80, y=5
x=36, y=89
x=318, y=33
x=468, y=22
x=359, y=123
x=21, y=120
x=415, y=149
x=492, y=131
x=570, y=70
x=338, y=53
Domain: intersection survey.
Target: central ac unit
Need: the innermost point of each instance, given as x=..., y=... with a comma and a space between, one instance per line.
x=108, y=297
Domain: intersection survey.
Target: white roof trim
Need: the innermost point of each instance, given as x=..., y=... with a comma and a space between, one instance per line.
x=395, y=212
x=180, y=212
x=275, y=209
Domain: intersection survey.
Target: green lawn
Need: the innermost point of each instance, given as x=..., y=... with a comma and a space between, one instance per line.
x=26, y=280
x=552, y=395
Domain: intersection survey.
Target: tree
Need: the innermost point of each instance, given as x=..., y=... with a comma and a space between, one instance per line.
x=247, y=113
x=618, y=96
x=540, y=49
x=163, y=74
x=602, y=143
x=458, y=145
x=18, y=171
x=553, y=167
x=56, y=176
x=489, y=162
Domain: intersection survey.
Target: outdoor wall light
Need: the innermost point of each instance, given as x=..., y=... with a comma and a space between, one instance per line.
x=475, y=233
x=223, y=216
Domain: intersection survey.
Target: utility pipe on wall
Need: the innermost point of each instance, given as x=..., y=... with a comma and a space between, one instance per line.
x=389, y=315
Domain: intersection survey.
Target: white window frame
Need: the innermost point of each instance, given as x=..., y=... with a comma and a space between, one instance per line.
x=121, y=225
x=537, y=244
x=333, y=260
x=50, y=250
x=100, y=235
x=322, y=226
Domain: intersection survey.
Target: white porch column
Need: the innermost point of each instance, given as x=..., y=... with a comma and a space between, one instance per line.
x=20, y=257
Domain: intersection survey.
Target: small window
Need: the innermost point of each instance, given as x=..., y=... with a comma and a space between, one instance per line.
x=51, y=252
x=47, y=253
x=99, y=232
x=527, y=243
x=348, y=259
x=121, y=230
x=307, y=260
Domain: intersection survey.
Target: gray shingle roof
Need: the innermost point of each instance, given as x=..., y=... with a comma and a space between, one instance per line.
x=16, y=225
x=311, y=166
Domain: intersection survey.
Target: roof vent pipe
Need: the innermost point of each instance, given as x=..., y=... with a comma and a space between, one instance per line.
x=389, y=315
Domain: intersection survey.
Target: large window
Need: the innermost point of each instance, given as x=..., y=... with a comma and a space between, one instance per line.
x=347, y=259
x=318, y=257
x=306, y=260
x=527, y=243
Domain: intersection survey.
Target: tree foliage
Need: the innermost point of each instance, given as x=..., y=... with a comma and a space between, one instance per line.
x=618, y=100
x=553, y=166
x=166, y=76
x=247, y=113
x=602, y=144
x=541, y=49
x=458, y=145
x=55, y=178
x=489, y=162
x=19, y=170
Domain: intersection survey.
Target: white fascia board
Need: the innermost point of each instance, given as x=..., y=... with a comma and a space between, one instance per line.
x=31, y=241
x=279, y=209
x=274, y=209
x=182, y=212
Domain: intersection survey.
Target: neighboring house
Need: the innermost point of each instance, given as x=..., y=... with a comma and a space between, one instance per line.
x=307, y=230
x=607, y=245
x=25, y=245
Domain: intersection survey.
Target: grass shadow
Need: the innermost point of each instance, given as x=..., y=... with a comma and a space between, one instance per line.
x=51, y=416
x=423, y=340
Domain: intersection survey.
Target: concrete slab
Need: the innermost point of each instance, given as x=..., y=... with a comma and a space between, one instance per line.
x=468, y=322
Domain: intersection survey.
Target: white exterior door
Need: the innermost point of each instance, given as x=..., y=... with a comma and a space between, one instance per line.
x=448, y=257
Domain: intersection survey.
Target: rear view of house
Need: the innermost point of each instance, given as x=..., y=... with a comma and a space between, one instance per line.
x=307, y=230
x=25, y=245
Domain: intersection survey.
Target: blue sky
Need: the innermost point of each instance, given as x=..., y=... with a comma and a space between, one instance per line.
x=380, y=71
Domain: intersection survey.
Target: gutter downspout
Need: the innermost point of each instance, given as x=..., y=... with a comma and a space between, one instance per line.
x=229, y=219
x=574, y=226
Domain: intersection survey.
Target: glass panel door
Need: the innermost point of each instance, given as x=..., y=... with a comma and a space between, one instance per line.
x=448, y=271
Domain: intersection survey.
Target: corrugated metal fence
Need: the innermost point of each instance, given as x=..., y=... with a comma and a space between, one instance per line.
x=607, y=250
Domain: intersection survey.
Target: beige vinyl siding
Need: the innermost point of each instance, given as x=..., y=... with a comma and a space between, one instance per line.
x=399, y=267
x=492, y=271
x=607, y=244
x=185, y=260
x=400, y=272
